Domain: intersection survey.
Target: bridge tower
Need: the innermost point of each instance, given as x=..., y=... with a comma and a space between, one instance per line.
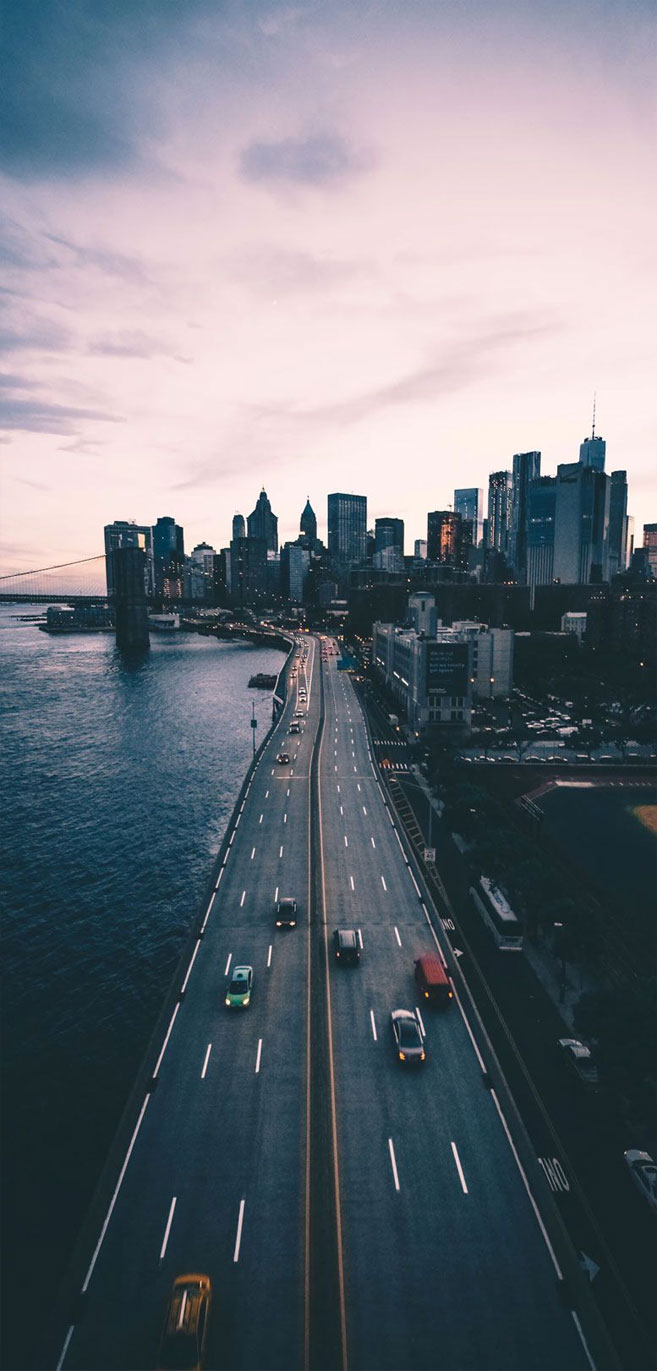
x=129, y=570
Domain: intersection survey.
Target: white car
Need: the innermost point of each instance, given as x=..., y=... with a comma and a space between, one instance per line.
x=644, y=1174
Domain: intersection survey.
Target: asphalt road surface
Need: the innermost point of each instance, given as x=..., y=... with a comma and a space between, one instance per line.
x=437, y=1252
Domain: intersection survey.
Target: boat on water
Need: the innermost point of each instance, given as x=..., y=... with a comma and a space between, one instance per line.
x=164, y=623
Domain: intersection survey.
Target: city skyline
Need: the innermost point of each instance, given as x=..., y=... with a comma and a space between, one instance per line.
x=317, y=249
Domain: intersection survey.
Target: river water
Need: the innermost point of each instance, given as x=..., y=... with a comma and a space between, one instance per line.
x=118, y=784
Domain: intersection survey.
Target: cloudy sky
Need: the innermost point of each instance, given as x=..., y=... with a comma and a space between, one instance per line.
x=376, y=246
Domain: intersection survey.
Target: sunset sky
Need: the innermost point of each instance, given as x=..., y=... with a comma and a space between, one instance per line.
x=377, y=246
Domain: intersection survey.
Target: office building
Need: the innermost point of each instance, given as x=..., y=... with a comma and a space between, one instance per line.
x=421, y=613
x=429, y=678
x=617, y=523
x=168, y=557
x=574, y=621
x=262, y=523
x=650, y=545
x=581, y=524
x=389, y=533
x=526, y=468
x=198, y=580
x=491, y=659
x=500, y=487
x=239, y=526
x=420, y=549
x=347, y=528
x=308, y=522
x=248, y=571
x=448, y=538
x=125, y=533
x=541, y=502
x=469, y=503
x=295, y=563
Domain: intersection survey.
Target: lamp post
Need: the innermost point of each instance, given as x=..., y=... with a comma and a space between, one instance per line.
x=254, y=725
x=414, y=785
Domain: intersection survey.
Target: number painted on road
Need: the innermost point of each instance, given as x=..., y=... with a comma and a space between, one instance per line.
x=556, y=1176
x=448, y=925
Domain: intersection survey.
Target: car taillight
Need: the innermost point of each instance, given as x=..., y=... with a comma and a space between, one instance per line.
x=426, y=994
x=402, y=1057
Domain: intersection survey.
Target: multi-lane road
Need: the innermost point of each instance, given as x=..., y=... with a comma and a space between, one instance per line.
x=272, y=1125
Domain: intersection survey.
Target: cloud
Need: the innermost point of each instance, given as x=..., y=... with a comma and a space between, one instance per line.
x=43, y=416
x=287, y=272
x=129, y=269
x=132, y=343
x=35, y=334
x=320, y=159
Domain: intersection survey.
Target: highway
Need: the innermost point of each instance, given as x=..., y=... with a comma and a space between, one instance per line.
x=441, y=1257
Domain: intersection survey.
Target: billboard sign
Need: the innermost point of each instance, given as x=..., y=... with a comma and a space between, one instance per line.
x=447, y=668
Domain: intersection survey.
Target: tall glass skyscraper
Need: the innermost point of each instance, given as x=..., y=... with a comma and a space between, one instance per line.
x=526, y=468
x=347, y=527
x=262, y=523
x=469, y=503
x=499, y=510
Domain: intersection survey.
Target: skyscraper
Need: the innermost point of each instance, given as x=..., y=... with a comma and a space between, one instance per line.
x=650, y=544
x=262, y=523
x=541, y=502
x=500, y=486
x=347, y=527
x=617, y=523
x=389, y=533
x=308, y=522
x=592, y=452
x=168, y=555
x=581, y=527
x=469, y=503
x=239, y=526
x=526, y=468
x=448, y=538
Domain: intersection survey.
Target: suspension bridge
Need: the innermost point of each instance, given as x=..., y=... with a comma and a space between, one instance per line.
x=80, y=582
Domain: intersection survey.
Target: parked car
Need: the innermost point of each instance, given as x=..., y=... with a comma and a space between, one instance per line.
x=643, y=1171
x=580, y=1061
x=186, y=1324
x=238, y=994
x=286, y=912
x=408, y=1039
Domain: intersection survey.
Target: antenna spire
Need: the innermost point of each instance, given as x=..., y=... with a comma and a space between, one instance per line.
x=593, y=428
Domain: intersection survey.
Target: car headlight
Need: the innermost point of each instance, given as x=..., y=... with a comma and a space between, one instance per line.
x=228, y=999
x=247, y=999
x=402, y=1056
x=422, y=1056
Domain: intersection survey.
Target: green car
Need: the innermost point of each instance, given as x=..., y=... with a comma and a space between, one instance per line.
x=238, y=995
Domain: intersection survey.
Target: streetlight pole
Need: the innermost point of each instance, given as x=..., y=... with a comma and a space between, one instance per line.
x=254, y=725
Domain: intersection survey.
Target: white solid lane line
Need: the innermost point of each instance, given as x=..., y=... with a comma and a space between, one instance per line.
x=184, y=984
x=119, y=1182
x=230, y=958
x=352, y=882
x=243, y=898
x=459, y=1169
x=238, y=1239
x=373, y=1025
x=257, y=1065
x=269, y=955
x=394, y=1164
x=205, y=1064
x=164, y=1044
x=167, y=1229
x=397, y=935
x=383, y=883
